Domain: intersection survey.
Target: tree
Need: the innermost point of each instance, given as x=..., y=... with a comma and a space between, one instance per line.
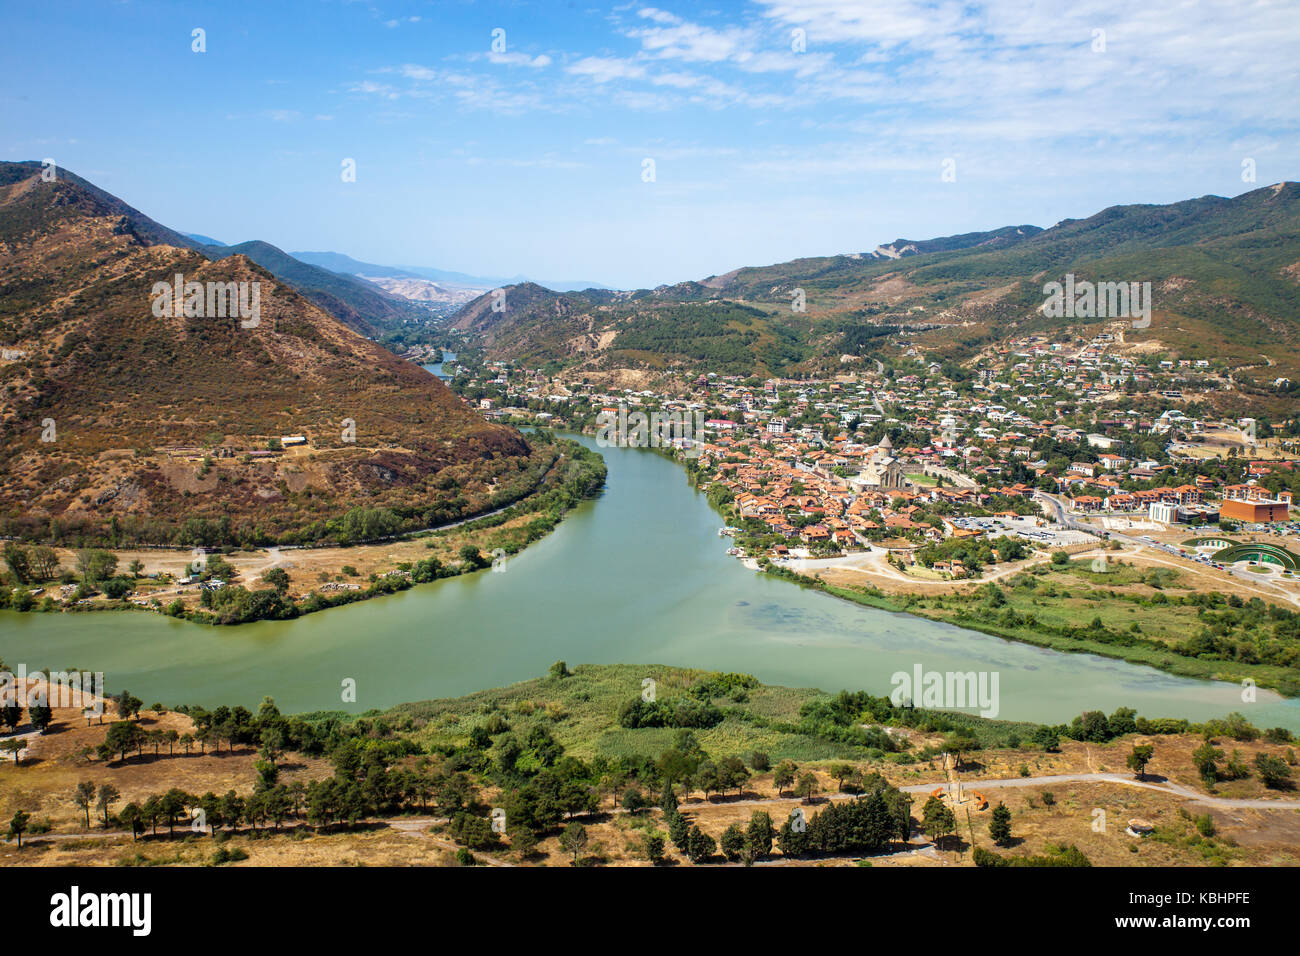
x=1139, y=758
x=233, y=808
x=807, y=787
x=634, y=800
x=960, y=742
x=732, y=773
x=1205, y=758
x=96, y=565
x=652, y=846
x=11, y=714
x=123, y=735
x=937, y=819
x=172, y=805
x=784, y=775
x=151, y=811
x=278, y=578
x=679, y=829
x=758, y=835
x=44, y=563
x=84, y=795
x=612, y=782
x=1000, y=825
x=133, y=817
x=1273, y=771
x=41, y=716
x=15, y=747
x=1046, y=738
x=18, y=826
x=574, y=840
x=700, y=847
x=733, y=843
x=107, y=795
x=128, y=706
x=706, y=778
x=19, y=561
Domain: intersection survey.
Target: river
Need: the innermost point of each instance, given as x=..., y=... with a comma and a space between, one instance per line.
x=637, y=576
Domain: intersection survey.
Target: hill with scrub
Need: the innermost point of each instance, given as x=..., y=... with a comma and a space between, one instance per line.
x=124, y=422
x=644, y=765
x=1224, y=275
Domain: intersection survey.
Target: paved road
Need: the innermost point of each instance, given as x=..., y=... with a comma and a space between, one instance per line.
x=1258, y=584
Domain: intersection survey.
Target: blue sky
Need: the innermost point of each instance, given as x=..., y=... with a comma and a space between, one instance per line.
x=530, y=161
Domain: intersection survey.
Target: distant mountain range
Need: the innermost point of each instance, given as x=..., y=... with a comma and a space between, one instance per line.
x=204, y=240
x=360, y=305
x=338, y=262
x=357, y=303
x=1225, y=278
x=111, y=400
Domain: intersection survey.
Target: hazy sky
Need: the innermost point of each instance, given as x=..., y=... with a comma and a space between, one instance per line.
x=777, y=128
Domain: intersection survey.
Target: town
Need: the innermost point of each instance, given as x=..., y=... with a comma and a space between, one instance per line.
x=926, y=471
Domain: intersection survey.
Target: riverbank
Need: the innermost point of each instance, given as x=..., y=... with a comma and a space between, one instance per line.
x=1014, y=622
x=240, y=586
x=630, y=577
x=574, y=757
x=1129, y=610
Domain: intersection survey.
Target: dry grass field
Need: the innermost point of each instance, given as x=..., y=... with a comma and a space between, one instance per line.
x=1044, y=811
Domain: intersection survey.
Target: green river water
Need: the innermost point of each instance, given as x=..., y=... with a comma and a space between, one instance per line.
x=637, y=576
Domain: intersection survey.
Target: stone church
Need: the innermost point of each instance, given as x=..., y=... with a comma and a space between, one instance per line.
x=881, y=471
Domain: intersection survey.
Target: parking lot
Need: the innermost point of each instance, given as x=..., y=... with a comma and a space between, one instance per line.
x=1031, y=529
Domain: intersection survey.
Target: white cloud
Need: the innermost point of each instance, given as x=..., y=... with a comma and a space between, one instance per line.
x=603, y=69
x=520, y=59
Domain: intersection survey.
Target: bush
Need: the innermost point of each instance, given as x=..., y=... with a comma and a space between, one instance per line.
x=228, y=855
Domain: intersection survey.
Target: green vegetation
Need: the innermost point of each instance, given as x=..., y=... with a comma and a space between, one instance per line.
x=1200, y=634
x=573, y=474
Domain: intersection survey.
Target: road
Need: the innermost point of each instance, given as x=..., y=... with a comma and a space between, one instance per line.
x=1256, y=583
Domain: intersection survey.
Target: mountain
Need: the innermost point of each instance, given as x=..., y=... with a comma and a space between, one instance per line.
x=360, y=305
x=204, y=240
x=133, y=220
x=122, y=421
x=338, y=262
x=1224, y=274
x=439, y=297
x=680, y=325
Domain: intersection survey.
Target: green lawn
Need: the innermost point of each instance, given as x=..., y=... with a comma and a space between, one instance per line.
x=581, y=710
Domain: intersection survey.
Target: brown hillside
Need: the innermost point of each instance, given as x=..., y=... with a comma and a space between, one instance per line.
x=138, y=401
